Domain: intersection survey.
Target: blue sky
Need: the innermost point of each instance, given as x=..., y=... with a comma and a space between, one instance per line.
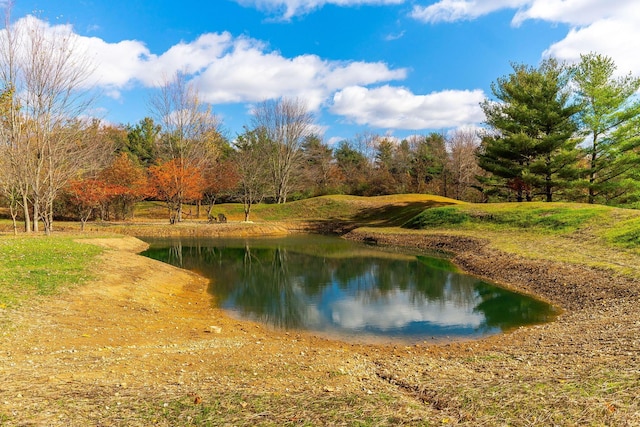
x=391, y=67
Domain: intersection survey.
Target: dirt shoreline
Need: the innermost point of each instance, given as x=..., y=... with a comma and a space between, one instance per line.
x=143, y=346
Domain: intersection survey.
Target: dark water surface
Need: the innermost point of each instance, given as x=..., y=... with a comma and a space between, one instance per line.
x=358, y=292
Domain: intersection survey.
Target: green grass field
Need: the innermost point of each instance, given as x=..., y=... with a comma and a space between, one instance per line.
x=38, y=265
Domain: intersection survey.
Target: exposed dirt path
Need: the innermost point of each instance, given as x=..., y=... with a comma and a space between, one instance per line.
x=143, y=346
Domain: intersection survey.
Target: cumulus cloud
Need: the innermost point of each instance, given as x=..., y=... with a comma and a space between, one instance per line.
x=258, y=75
x=610, y=28
x=121, y=64
x=399, y=108
x=460, y=10
x=224, y=68
x=576, y=12
x=616, y=38
x=287, y=9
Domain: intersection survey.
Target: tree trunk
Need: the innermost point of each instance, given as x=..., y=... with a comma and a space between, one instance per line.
x=592, y=171
x=36, y=217
x=14, y=215
x=27, y=217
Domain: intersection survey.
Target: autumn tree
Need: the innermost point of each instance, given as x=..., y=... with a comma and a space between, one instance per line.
x=124, y=183
x=286, y=123
x=190, y=140
x=86, y=195
x=609, y=120
x=220, y=182
x=176, y=184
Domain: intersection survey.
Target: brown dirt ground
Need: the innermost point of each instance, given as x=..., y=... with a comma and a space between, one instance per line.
x=125, y=348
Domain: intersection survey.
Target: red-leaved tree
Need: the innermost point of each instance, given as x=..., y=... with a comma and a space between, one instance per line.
x=175, y=183
x=88, y=194
x=221, y=181
x=126, y=183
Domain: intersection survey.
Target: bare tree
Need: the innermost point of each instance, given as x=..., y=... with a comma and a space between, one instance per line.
x=191, y=135
x=248, y=160
x=48, y=72
x=463, y=166
x=13, y=170
x=286, y=123
x=367, y=143
x=9, y=184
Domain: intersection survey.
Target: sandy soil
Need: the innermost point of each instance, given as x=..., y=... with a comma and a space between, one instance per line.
x=124, y=349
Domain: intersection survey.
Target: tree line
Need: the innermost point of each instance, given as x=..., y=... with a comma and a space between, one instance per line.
x=553, y=132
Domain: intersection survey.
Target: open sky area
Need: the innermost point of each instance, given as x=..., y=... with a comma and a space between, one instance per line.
x=395, y=67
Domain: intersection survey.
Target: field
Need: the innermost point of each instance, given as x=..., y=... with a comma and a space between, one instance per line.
x=116, y=339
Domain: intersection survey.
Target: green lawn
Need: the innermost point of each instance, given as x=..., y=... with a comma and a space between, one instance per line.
x=38, y=265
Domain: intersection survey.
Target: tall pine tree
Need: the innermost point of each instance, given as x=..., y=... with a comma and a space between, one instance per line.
x=610, y=123
x=532, y=147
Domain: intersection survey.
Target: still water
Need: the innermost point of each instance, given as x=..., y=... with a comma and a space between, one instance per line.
x=353, y=291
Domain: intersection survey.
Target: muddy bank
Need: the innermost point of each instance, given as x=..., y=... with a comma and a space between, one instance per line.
x=192, y=229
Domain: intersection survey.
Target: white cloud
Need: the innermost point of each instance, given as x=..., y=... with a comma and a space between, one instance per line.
x=120, y=64
x=224, y=69
x=287, y=9
x=611, y=28
x=615, y=38
x=575, y=12
x=398, y=108
x=394, y=36
x=249, y=74
x=460, y=10
x=572, y=12
x=116, y=63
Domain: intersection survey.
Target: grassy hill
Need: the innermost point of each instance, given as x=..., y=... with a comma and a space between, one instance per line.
x=619, y=227
x=390, y=210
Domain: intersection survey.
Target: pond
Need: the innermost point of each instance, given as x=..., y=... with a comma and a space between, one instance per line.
x=349, y=290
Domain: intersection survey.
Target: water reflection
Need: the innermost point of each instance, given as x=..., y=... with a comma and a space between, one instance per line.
x=335, y=286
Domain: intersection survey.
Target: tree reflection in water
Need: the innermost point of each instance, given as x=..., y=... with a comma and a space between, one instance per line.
x=329, y=284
